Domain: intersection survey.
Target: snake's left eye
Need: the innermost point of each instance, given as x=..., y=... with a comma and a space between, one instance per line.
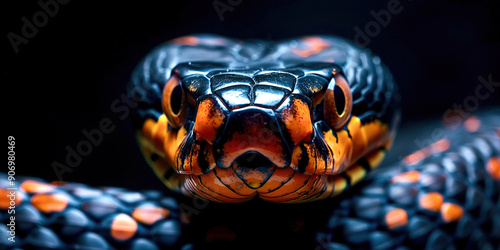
x=337, y=103
x=174, y=103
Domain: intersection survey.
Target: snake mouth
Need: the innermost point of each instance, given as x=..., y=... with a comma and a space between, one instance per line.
x=252, y=160
x=253, y=169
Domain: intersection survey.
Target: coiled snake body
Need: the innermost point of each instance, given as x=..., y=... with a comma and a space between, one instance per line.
x=292, y=121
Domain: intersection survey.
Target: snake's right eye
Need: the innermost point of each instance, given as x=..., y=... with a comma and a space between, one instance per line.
x=174, y=103
x=337, y=103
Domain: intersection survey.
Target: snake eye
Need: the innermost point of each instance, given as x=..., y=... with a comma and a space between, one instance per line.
x=337, y=103
x=174, y=103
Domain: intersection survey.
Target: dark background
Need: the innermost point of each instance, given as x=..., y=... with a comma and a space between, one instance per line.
x=66, y=77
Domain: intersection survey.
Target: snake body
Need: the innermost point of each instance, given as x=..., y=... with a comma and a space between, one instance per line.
x=292, y=121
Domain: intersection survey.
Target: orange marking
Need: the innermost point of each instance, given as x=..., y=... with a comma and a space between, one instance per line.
x=32, y=186
x=397, y=217
x=339, y=184
x=414, y=158
x=436, y=147
x=347, y=148
x=315, y=44
x=366, y=137
x=186, y=40
x=208, y=119
x=451, y=212
x=431, y=201
x=8, y=199
x=341, y=149
x=410, y=176
x=315, y=184
x=191, y=164
x=160, y=131
x=472, y=124
x=375, y=158
x=297, y=119
x=156, y=138
x=440, y=146
x=493, y=168
x=281, y=176
x=329, y=189
x=148, y=127
x=123, y=227
x=150, y=214
x=356, y=173
x=218, y=184
x=316, y=163
x=48, y=203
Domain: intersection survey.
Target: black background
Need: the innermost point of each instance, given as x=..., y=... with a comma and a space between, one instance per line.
x=66, y=77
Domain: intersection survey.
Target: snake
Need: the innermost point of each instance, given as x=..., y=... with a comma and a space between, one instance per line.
x=305, y=121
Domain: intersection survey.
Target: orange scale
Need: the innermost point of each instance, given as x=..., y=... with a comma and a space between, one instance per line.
x=297, y=120
x=186, y=40
x=149, y=214
x=123, y=227
x=342, y=153
x=375, y=158
x=472, y=124
x=6, y=198
x=192, y=187
x=493, y=168
x=49, y=203
x=278, y=179
x=314, y=44
x=320, y=186
x=32, y=186
x=339, y=184
x=303, y=192
x=295, y=183
x=209, y=119
x=396, y=217
x=431, y=201
x=359, y=136
x=355, y=173
x=451, y=212
x=210, y=187
x=228, y=178
x=410, y=176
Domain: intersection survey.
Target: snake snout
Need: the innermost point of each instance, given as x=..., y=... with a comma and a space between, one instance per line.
x=252, y=132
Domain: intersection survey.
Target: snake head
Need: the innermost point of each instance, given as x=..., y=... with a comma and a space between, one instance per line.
x=280, y=126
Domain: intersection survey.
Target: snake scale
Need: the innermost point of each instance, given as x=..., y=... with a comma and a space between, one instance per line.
x=263, y=123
